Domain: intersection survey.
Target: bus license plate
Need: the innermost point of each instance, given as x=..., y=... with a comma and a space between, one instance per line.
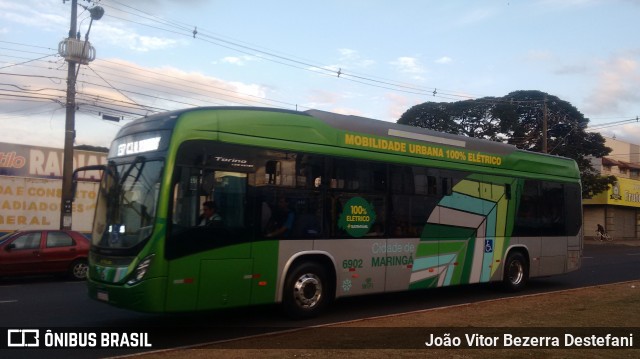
x=104, y=296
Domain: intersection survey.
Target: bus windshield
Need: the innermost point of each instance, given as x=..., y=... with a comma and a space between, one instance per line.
x=126, y=204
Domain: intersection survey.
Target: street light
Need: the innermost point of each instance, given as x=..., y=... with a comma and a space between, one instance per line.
x=74, y=51
x=96, y=13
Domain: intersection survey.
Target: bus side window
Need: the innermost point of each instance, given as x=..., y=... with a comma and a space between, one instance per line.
x=309, y=171
x=299, y=211
x=272, y=172
x=185, y=198
x=446, y=186
x=432, y=185
x=541, y=211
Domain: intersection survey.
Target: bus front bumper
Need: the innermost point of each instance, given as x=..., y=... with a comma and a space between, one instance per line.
x=134, y=297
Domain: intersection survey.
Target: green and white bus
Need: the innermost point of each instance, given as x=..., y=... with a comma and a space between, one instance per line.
x=315, y=206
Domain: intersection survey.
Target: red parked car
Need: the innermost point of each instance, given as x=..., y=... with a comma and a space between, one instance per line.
x=44, y=251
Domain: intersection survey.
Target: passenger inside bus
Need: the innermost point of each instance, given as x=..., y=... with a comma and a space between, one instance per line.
x=210, y=215
x=281, y=221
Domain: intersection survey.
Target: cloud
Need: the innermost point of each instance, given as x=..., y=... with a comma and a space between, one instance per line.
x=539, y=56
x=567, y=4
x=350, y=59
x=154, y=3
x=148, y=43
x=56, y=19
x=154, y=6
x=475, y=16
x=617, y=86
x=348, y=53
x=628, y=133
x=173, y=88
x=121, y=36
x=575, y=69
x=238, y=60
x=254, y=90
x=27, y=14
x=109, y=86
x=320, y=98
x=409, y=65
x=444, y=60
x=397, y=105
x=347, y=111
x=547, y=57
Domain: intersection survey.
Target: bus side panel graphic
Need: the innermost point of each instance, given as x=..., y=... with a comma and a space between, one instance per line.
x=465, y=238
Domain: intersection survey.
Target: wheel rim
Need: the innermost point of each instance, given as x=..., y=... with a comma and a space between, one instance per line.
x=516, y=272
x=307, y=291
x=80, y=270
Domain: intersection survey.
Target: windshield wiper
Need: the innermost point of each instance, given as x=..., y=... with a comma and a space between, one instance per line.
x=139, y=160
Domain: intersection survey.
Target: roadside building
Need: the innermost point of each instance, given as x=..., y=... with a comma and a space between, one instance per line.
x=31, y=187
x=618, y=209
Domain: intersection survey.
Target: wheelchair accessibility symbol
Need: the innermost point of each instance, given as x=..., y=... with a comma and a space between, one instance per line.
x=488, y=245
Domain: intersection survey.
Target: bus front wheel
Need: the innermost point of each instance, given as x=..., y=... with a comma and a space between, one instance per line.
x=516, y=272
x=306, y=291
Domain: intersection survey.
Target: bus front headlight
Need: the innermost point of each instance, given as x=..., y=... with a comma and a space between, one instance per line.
x=141, y=270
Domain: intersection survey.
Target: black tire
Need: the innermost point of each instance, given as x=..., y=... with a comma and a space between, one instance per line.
x=516, y=272
x=78, y=269
x=307, y=291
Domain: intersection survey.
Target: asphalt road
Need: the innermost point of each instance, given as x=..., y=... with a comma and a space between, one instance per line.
x=48, y=303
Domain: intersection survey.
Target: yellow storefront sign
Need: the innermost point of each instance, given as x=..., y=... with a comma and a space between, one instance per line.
x=625, y=192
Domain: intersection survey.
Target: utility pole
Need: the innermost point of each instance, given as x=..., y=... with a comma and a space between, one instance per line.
x=544, y=126
x=76, y=52
x=69, y=129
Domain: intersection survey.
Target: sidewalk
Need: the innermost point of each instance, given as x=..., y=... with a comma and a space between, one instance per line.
x=630, y=242
x=557, y=313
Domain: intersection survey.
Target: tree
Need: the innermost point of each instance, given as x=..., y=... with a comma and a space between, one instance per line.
x=517, y=118
x=433, y=115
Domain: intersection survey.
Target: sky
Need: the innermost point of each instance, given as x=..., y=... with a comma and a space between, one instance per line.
x=369, y=58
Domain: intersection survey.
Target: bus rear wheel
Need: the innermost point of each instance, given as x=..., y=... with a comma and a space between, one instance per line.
x=306, y=291
x=516, y=272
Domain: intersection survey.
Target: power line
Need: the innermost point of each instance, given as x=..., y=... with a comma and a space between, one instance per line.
x=188, y=84
x=184, y=29
x=25, y=62
x=110, y=85
x=227, y=97
x=446, y=95
x=272, y=56
x=26, y=45
x=613, y=124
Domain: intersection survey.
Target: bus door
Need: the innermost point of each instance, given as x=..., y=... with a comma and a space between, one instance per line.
x=208, y=251
x=224, y=270
x=461, y=229
x=495, y=194
x=474, y=209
